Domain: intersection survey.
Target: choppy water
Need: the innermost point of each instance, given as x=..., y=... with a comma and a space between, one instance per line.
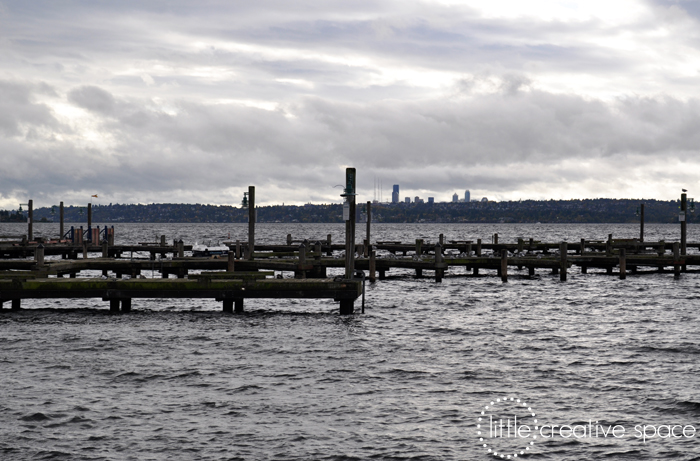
x=290, y=379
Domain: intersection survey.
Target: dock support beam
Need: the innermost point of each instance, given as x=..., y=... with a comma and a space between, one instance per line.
x=16, y=304
x=372, y=266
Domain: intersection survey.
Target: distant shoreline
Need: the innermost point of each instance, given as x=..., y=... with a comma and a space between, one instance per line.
x=592, y=211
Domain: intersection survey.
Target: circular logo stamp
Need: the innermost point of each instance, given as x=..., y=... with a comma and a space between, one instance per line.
x=507, y=428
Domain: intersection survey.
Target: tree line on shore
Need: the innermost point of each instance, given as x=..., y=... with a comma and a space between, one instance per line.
x=525, y=211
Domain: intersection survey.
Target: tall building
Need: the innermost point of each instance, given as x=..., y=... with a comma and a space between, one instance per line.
x=395, y=194
x=407, y=200
x=431, y=200
x=455, y=197
x=467, y=196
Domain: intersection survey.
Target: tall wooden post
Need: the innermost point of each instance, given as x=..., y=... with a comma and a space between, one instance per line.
x=641, y=222
x=349, y=213
x=251, y=221
x=30, y=220
x=683, y=216
x=350, y=184
x=60, y=218
x=369, y=224
x=89, y=214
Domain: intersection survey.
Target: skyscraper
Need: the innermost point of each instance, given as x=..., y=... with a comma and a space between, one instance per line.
x=455, y=197
x=467, y=196
x=395, y=194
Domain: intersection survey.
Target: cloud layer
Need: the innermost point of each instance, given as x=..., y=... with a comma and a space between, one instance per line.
x=171, y=102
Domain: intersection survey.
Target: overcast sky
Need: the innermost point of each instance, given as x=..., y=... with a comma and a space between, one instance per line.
x=183, y=101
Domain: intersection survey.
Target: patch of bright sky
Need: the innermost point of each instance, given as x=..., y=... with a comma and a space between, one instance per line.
x=258, y=104
x=86, y=130
x=611, y=12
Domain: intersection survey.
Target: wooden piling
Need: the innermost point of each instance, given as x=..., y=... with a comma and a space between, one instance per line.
x=441, y=239
x=251, y=221
x=30, y=220
x=439, y=272
x=583, y=247
x=563, y=253
x=126, y=305
x=683, y=219
x=495, y=239
x=238, y=249
x=608, y=246
x=478, y=247
x=623, y=264
x=289, y=239
x=369, y=225
x=181, y=249
x=16, y=304
x=228, y=305
x=114, y=305
x=105, y=249
x=504, y=265
x=89, y=215
x=85, y=249
x=301, y=273
x=317, y=251
x=238, y=305
x=39, y=255
x=419, y=247
x=372, y=266
x=676, y=260
x=61, y=231
x=230, y=263
x=521, y=245
x=641, y=223
x=350, y=188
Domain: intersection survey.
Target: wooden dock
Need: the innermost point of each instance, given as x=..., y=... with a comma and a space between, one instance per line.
x=245, y=272
x=231, y=289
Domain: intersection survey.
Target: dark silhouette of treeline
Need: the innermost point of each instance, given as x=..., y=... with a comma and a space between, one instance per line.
x=525, y=211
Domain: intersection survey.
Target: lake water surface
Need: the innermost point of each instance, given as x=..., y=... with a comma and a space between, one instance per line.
x=595, y=358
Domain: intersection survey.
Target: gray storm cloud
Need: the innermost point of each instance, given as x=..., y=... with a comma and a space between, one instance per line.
x=142, y=102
